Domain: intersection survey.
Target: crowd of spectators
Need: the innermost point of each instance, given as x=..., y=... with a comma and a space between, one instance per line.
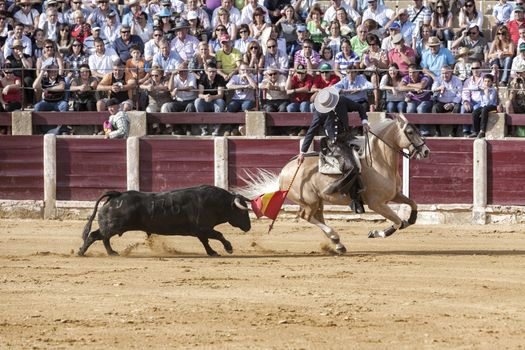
x=221, y=55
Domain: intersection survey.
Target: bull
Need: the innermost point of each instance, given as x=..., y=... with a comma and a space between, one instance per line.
x=185, y=212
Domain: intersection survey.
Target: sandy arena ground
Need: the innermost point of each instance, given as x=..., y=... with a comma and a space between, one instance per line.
x=425, y=287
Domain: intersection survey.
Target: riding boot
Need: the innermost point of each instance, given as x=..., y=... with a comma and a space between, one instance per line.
x=354, y=193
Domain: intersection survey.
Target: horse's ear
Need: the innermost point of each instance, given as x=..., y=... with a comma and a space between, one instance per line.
x=402, y=119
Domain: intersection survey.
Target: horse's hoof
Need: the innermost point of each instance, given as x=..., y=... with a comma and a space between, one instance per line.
x=340, y=249
x=376, y=234
x=372, y=234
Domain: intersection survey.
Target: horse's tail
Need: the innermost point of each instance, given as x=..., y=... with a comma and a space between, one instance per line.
x=260, y=182
x=87, y=228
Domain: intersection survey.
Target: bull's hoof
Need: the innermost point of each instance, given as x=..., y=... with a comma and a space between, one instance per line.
x=213, y=253
x=80, y=252
x=340, y=249
x=112, y=253
x=228, y=248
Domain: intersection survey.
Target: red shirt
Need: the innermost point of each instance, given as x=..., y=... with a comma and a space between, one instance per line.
x=299, y=97
x=514, y=30
x=395, y=57
x=320, y=83
x=13, y=95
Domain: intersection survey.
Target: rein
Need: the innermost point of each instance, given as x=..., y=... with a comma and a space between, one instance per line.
x=367, y=145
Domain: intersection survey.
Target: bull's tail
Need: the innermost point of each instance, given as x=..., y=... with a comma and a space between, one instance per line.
x=87, y=228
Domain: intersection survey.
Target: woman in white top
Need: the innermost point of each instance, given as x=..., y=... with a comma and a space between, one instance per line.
x=442, y=22
x=470, y=15
x=224, y=19
x=395, y=98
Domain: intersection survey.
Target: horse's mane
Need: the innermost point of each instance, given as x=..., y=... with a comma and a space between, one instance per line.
x=379, y=128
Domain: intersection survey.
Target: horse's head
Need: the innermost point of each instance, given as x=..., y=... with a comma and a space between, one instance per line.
x=411, y=139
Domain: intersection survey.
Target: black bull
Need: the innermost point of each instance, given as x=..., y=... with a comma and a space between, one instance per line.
x=186, y=212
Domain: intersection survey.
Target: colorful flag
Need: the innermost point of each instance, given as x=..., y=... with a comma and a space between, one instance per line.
x=269, y=204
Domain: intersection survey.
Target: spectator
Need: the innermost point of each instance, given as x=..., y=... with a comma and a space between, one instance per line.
x=183, y=43
x=167, y=59
x=18, y=34
x=110, y=28
x=326, y=56
x=244, y=40
x=195, y=27
x=157, y=89
x=83, y=89
x=307, y=57
x=151, y=47
x=462, y=68
x=123, y=44
x=135, y=66
x=183, y=87
x=165, y=23
x=73, y=60
x=116, y=86
x=275, y=57
x=435, y=58
x=361, y=5
x=346, y=25
x=98, y=16
x=518, y=61
x=202, y=16
x=273, y=86
x=254, y=58
x=448, y=90
x=317, y=27
x=215, y=42
x=258, y=23
x=387, y=43
x=80, y=30
x=141, y=27
x=5, y=28
x=27, y=15
x=420, y=44
x=442, y=22
x=11, y=90
x=50, y=56
x=355, y=87
x=21, y=64
x=374, y=60
x=296, y=46
x=516, y=96
x=326, y=78
x=101, y=62
x=501, y=12
x=417, y=14
x=333, y=40
x=336, y=6
x=198, y=63
x=211, y=95
x=472, y=40
x=50, y=24
x=135, y=9
x=235, y=14
x=89, y=42
x=38, y=43
x=359, y=44
x=345, y=58
x=275, y=8
x=244, y=85
x=521, y=34
x=275, y=34
x=469, y=15
x=395, y=97
x=471, y=96
x=514, y=25
x=118, y=120
x=501, y=53
x=288, y=23
x=53, y=88
x=419, y=94
x=302, y=7
x=407, y=28
x=378, y=13
x=228, y=58
x=69, y=15
x=487, y=104
x=401, y=54
x=64, y=39
x=298, y=85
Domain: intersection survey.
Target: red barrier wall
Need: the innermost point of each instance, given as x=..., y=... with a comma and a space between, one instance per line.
x=249, y=155
x=505, y=172
x=167, y=164
x=22, y=167
x=86, y=168
x=446, y=177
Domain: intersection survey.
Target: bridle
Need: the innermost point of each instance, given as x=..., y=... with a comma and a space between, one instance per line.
x=417, y=148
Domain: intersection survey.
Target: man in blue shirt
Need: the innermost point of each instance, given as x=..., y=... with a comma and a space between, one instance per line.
x=435, y=58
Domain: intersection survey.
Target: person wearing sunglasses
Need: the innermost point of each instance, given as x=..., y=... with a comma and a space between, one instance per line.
x=471, y=95
x=234, y=13
x=75, y=5
x=99, y=14
x=27, y=15
x=472, y=40
x=273, y=87
x=125, y=41
x=11, y=90
x=501, y=54
x=441, y=22
x=244, y=40
x=470, y=15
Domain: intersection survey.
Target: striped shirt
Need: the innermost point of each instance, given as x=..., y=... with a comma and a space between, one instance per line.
x=120, y=125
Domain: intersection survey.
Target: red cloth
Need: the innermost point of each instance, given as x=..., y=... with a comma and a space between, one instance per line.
x=269, y=204
x=299, y=97
x=320, y=83
x=81, y=32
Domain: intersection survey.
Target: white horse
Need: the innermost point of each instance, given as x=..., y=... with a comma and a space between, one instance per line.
x=379, y=171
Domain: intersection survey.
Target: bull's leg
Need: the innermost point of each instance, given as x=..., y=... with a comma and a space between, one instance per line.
x=318, y=220
x=402, y=199
x=213, y=234
x=92, y=237
x=206, y=244
x=107, y=245
x=384, y=210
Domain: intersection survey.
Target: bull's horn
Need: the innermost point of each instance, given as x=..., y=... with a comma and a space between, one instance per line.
x=239, y=205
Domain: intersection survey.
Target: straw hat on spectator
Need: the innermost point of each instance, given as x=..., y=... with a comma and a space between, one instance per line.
x=398, y=38
x=25, y=2
x=326, y=99
x=17, y=43
x=434, y=41
x=463, y=51
x=271, y=69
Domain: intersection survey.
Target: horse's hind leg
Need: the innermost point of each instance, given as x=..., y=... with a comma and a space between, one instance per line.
x=402, y=199
x=384, y=210
x=318, y=220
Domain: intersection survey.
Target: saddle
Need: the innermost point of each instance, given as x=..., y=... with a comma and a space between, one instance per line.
x=329, y=163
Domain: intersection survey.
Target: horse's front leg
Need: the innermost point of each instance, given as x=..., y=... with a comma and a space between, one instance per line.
x=384, y=210
x=402, y=199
